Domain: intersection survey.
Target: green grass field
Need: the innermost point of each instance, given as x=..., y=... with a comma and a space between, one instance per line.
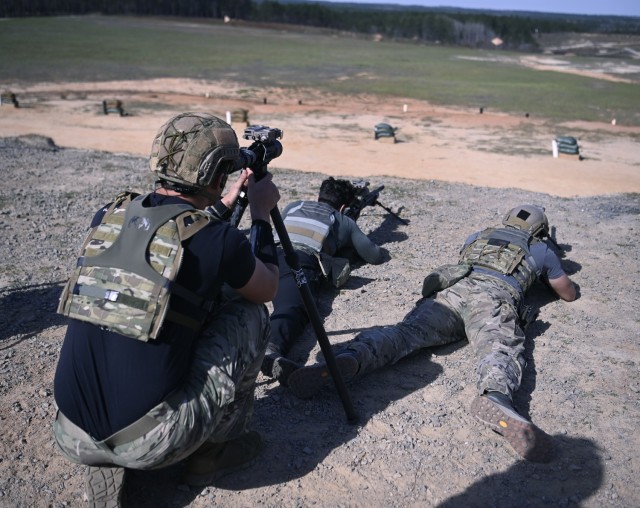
x=94, y=48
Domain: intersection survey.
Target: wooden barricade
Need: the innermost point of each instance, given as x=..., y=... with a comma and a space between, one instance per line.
x=9, y=98
x=238, y=119
x=112, y=106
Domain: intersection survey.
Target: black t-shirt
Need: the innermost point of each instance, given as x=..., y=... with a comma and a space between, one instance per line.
x=105, y=381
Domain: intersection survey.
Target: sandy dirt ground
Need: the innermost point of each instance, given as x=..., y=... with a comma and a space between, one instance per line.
x=333, y=135
x=415, y=444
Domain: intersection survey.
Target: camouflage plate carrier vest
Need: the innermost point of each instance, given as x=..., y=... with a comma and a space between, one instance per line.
x=503, y=250
x=308, y=225
x=114, y=286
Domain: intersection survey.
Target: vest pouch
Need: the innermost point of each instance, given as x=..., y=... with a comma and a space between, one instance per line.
x=335, y=269
x=118, y=300
x=505, y=251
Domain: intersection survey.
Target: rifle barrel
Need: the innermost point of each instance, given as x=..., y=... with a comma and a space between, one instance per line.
x=404, y=221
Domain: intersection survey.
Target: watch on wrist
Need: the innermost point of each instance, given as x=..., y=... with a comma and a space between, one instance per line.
x=221, y=210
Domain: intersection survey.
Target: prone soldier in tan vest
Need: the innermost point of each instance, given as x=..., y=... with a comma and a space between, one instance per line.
x=480, y=299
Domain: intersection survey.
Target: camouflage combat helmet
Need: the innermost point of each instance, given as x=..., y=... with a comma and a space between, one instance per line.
x=192, y=148
x=529, y=218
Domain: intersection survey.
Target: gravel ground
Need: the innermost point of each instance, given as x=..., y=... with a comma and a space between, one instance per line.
x=415, y=443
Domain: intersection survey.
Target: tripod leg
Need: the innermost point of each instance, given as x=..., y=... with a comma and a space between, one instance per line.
x=314, y=317
x=238, y=210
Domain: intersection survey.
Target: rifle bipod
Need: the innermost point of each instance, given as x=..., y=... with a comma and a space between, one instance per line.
x=291, y=257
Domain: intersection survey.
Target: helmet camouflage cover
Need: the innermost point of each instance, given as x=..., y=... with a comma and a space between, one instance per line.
x=192, y=148
x=529, y=218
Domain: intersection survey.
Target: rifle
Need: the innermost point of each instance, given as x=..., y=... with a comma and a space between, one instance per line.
x=365, y=197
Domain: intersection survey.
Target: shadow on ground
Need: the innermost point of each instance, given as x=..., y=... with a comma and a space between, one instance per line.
x=290, y=452
x=28, y=310
x=570, y=479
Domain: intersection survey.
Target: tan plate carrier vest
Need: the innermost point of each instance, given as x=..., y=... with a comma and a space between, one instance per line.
x=114, y=286
x=505, y=251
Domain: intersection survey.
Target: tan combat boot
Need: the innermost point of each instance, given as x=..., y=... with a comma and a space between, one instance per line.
x=495, y=410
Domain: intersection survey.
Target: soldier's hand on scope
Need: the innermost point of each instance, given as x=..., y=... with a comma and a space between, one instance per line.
x=234, y=191
x=263, y=196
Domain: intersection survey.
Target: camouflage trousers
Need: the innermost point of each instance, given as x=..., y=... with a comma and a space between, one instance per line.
x=214, y=404
x=479, y=309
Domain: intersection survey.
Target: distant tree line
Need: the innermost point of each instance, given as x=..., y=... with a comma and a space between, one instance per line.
x=188, y=8
x=438, y=25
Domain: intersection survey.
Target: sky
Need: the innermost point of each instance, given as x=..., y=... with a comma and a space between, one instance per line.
x=615, y=7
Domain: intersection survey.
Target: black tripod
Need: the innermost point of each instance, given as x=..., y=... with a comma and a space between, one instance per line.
x=291, y=258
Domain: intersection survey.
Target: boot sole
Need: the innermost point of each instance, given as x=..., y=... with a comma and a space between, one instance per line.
x=307, y=381
x=104, y=486
x=529, y=441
